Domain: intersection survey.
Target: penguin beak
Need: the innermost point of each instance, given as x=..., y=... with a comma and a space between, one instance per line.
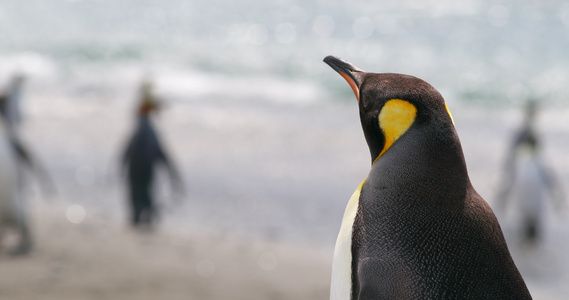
x=351, y=73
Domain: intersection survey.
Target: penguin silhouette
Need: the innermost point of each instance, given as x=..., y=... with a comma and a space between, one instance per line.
x=528, y=183
x=15, y=157
x=142, y=156
x=12, y=117
x=416, y=228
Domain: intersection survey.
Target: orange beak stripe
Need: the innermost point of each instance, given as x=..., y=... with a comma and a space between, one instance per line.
x=352, y=84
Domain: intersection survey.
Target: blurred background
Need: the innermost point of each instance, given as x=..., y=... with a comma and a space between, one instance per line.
x=265, y=135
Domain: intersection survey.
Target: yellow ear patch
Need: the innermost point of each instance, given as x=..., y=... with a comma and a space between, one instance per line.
x=395, y=118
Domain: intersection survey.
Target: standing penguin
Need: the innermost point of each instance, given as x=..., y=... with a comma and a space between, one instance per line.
x=14, y=156
x=527, y=181
x=143, y=153
x=416, y=228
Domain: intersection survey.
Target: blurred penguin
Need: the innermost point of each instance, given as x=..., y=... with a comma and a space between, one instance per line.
x=527, y=180
x=14, y=158
x=143, y=154
x=10, y=100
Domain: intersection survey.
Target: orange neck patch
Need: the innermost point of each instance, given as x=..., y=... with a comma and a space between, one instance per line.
x=352, y=84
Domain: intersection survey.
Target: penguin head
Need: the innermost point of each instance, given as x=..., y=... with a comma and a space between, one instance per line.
x=392, y=104
x=148, y=102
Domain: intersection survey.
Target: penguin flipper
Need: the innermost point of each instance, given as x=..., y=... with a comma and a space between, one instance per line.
x=554, y=188
x=177, y=183
x=24, y=155
x=381, y=279
x=175, y=177
x=371, y=285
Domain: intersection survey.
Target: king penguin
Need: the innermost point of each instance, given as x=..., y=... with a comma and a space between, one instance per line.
x=528, y=182
x=141, y=157
x=415, y=228
x=14, y=156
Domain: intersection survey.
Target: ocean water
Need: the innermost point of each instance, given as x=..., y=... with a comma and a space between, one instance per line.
x=496, y=53
x=266, y=135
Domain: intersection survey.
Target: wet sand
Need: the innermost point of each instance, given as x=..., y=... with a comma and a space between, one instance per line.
x=99, y=259
x=103, y=258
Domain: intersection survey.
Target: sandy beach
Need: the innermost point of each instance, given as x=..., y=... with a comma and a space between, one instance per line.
x=103, y=258
x=100, y=259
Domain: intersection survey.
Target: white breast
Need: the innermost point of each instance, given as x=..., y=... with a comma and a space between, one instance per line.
x=530, y=187
x=340, y=288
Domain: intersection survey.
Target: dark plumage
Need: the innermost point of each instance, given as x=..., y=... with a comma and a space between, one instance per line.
x=421, y=231
x=141, y=157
